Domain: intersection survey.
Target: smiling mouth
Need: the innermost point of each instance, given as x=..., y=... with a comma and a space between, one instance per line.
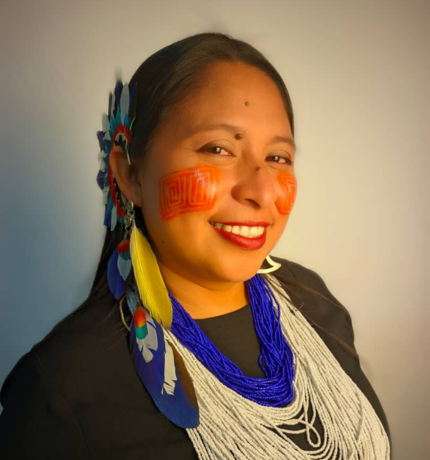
x=247, y=231
x=249, y=237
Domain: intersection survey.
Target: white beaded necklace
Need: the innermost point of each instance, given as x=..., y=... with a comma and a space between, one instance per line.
x=233, y=427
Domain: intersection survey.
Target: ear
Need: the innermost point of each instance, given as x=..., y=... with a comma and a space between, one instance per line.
x=124, y=175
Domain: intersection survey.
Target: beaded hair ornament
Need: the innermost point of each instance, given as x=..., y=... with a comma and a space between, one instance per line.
x=158, y=364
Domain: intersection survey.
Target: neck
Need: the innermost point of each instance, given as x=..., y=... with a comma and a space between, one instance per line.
x=202, y=300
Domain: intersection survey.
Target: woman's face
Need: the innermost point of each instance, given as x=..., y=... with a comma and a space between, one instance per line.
x=222, y=164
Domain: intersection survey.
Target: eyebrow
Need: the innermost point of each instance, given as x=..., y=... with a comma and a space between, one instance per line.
x=239, y=130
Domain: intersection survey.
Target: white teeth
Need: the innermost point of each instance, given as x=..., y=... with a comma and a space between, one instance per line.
x=256, y=231
x=245, y=231
x=242, y=230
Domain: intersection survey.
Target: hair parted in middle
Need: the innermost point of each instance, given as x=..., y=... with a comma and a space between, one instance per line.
x=169, y=75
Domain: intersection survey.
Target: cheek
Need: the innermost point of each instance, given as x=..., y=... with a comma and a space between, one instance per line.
x=188, y=190
x=288, y=186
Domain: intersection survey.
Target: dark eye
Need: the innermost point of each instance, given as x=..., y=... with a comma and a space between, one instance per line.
x=215, y=149
x=281, y=159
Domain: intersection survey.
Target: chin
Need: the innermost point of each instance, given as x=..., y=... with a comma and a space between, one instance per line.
x=238, y=271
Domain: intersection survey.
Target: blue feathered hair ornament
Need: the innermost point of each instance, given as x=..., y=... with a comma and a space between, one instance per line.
x=117, y=126
x=158, y=365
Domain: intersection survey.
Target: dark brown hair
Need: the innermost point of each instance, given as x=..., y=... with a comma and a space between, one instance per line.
x=168, y=76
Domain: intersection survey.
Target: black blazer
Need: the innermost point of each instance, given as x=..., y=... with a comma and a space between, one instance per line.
x=76, y=395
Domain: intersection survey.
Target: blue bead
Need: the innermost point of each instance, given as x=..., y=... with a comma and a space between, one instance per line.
x=276, y=359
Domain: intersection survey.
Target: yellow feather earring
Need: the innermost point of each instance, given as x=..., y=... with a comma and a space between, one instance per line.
x=150, y=283
x=158, y=364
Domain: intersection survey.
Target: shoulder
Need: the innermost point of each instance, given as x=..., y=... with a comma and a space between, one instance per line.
x=77, y=391
x=312, y=297
x=83, y=341
x=45, y=395
x=303, y=275
x=87, y=343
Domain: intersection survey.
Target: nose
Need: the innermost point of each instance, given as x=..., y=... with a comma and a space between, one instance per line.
x=255, y=186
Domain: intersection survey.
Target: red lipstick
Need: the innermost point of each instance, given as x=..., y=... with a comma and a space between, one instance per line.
x=250, y=244
x=247, y=224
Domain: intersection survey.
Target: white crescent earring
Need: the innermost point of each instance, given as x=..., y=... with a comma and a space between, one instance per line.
x=273, y=266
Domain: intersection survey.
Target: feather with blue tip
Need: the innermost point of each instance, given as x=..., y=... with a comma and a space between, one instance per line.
x=118, y=269
x=108, y=143
x=109, y=206
x=100, y=138
x=101, y=179
x=106, y=126
x=132, y=299
x=124, y=258
x=156, y=364
x=115, y=280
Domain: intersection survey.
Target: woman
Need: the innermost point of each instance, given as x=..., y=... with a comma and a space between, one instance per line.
x=231, y=356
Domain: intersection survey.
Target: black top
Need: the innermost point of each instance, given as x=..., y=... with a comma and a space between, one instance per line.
x=76, y=394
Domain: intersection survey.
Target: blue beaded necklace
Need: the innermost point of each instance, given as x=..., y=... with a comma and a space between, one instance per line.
x=276, y=359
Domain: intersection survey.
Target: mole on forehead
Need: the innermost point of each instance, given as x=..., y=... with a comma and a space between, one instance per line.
x=239, y=135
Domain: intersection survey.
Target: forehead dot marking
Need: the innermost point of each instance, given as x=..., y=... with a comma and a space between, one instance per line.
x=247, y=103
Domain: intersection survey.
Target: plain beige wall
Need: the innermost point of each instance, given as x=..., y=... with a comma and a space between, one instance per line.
x=358, y=73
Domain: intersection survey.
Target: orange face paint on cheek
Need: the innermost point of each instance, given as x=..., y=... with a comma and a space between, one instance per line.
x=188, y=190
x=286, y=199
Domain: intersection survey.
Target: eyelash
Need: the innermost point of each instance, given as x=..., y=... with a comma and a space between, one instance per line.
x=206, y=148
x=288, y=160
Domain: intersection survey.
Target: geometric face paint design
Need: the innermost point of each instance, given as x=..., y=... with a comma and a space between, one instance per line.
x=188, y=190
x=285, y=201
